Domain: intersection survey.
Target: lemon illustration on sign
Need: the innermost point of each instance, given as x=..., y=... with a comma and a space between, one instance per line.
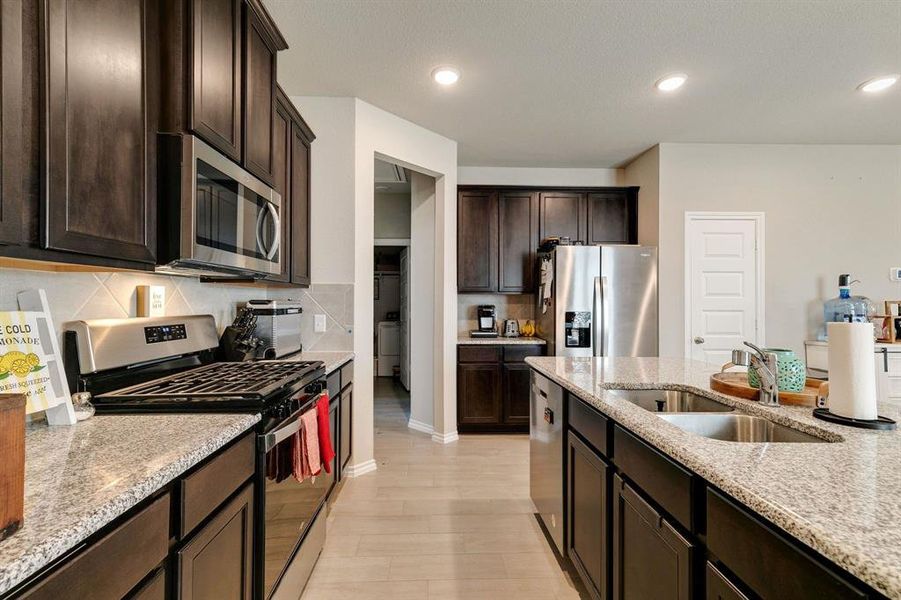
x=19, y=364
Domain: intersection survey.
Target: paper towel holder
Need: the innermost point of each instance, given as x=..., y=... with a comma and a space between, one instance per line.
x=883, y=423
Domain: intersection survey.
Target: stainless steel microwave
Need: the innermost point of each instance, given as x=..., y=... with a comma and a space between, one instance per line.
x=215, y=218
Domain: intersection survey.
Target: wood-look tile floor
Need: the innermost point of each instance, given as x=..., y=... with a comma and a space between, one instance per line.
x=437, y=521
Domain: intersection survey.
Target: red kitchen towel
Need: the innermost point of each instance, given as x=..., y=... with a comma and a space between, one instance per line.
x=326, y=452
x=306, y=461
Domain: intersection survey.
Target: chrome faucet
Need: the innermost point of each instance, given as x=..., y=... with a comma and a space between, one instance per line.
x=766, y=365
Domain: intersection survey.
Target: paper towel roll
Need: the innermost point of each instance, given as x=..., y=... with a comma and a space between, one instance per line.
x=852, y=370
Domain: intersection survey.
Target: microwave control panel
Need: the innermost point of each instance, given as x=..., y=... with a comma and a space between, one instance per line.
x=165, y=333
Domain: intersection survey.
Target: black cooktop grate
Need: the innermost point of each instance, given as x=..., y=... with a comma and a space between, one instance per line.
x=249, y=380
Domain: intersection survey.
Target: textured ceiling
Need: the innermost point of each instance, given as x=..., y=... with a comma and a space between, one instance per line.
x=571, y=83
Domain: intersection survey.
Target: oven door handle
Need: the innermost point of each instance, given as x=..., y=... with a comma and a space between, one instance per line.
x=273, y=438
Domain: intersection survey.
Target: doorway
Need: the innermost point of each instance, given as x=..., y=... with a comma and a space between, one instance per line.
x=724, y=283
x=391, y=290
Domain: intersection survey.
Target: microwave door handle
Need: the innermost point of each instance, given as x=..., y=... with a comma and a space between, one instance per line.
x=278, y=230
x=259, y=232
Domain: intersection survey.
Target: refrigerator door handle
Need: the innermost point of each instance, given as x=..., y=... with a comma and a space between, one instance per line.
x=597, y=341
x=605, y=312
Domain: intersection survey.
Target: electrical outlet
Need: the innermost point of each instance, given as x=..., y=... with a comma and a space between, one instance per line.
x=895, y=274
x=319, y=323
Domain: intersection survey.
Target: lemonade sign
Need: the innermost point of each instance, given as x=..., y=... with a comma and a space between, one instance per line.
x=25, y=357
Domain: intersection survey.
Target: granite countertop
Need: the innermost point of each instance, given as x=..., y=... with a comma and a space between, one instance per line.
x=842, y=499
x=465, y=340
x=79, y=479
x=332, y=359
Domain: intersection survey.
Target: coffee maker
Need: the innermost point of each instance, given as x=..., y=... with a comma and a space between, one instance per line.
x=487, y=320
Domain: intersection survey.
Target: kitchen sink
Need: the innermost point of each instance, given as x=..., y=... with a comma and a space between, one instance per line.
x=671, y=401
x=738, y=428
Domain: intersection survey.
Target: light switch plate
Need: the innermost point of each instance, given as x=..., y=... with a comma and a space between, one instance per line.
x=895, y=274
x=319, y=323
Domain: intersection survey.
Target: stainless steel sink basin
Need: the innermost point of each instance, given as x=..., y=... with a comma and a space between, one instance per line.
x=738, y=428
x=669, y=401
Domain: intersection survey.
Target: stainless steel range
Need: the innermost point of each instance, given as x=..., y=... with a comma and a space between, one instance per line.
x=167, y=364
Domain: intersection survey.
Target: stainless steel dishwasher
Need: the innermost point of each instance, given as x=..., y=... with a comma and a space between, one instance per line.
x=546, y=421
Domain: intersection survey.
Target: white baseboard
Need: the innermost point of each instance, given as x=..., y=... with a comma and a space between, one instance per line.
x=361, y=468
x=445, y=438
x=420, y=426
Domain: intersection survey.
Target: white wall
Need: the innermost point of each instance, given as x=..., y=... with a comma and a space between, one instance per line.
x=331, y=187
x=829, y=210
x=352, y=134
x=644, y=172
x=536, y=176
x=380, y=134
x=422, y=304
x=392, y=216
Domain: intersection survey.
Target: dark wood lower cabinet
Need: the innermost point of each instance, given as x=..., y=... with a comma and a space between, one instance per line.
x=152, y=589
x=478, y=394
x=719, y=587
x=217, y=562
x=493, y=387
x=588, y=493
x=516, y=394
x=651, y=559
x=346, y=425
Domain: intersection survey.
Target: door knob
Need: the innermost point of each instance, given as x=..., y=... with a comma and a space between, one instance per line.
x=699, y=340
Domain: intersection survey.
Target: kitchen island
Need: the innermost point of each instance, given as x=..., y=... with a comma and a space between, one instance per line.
x=840, y=498
x=80, y=479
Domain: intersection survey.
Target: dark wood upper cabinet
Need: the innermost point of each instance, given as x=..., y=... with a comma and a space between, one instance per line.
x=301, y=138
x=612, y=218
x=12, y=122
x=215, y=56
x=100, y=93
x=518, y=240
x=281, y=175
x=477, y=241
x=259, y=96
x=562, y=214
x=217, y=562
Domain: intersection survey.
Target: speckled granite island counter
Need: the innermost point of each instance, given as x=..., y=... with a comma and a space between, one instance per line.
x=79, y=479
x=842, y=499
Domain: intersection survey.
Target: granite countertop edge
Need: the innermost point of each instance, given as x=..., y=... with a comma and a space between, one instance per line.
x=677, y=444
x=42, y=553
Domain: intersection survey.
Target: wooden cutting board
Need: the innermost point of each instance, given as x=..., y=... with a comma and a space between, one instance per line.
x=736, y=384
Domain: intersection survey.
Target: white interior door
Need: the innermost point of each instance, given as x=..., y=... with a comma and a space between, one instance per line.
x=724, y=275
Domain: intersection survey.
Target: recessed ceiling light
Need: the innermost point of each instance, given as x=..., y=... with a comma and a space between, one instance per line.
x=878, y=84
x=446, y=75
x=671, y=83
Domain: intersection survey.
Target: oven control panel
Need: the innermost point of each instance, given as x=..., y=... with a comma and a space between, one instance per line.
x=165, y=333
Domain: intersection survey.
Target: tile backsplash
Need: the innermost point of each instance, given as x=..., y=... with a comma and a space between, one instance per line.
x=509, y=306
x=85, y=295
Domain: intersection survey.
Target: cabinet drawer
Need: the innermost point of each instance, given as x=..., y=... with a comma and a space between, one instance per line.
x=662, y=479
x=207, y=488
x=479, y=353
x=590, y=424
x=894, y=387
x=333, y=383
x=894, y=364
x=347, y=374
x=771, y=565
x=114, y=565
x=154, y=589
x=519, y=353
x=719, y=587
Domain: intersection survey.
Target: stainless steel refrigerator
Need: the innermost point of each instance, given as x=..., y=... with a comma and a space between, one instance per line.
x=598, y=300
